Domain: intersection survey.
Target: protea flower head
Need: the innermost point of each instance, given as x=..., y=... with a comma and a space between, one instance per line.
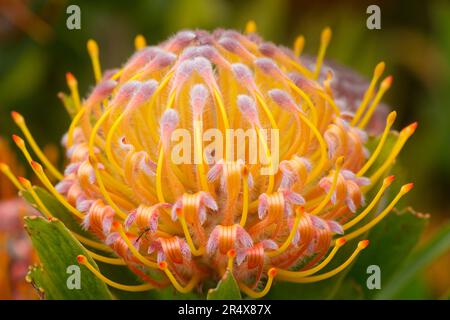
x=155, y=172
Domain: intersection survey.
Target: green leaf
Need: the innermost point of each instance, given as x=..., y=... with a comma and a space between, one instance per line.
x=57, y=250
x=417, y=288
x=36, y=276
x=57, y=210
x=416, y=262
x=391, y=241
x=227, y=289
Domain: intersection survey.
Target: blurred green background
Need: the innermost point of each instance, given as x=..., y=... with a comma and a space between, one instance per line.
x=37, y=49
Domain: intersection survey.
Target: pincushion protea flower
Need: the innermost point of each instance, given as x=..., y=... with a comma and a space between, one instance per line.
x=191, y=222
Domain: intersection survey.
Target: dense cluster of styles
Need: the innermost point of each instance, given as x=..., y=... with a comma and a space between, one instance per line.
x=187, y=224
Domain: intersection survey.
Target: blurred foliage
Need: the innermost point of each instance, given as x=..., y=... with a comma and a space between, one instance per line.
x=36, y=50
